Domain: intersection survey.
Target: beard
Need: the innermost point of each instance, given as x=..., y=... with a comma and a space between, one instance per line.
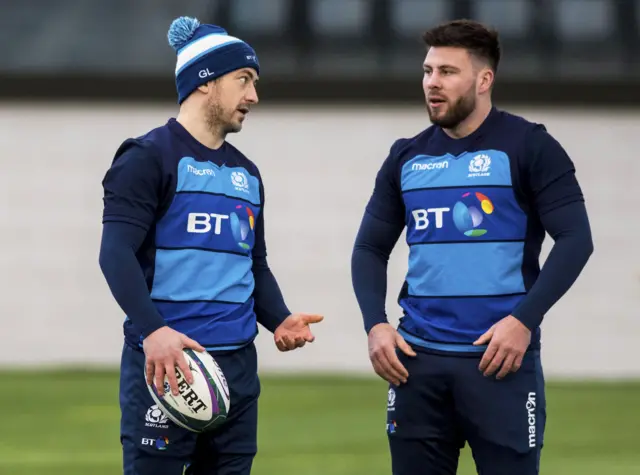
x=219, y=120
x=456, y=113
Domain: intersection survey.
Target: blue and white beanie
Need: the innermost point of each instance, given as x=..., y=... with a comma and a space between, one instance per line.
x=205, y=52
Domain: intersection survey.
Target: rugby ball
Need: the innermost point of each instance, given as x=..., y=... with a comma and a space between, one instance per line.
x=201, y=406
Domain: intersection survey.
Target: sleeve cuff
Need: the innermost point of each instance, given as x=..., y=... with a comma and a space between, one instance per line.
x=528, y=319
x=273, y=321
x=152, y=326
x=372, y=322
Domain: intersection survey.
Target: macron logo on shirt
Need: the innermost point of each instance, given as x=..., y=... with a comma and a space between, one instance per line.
x=430, y=166
x=200, y=172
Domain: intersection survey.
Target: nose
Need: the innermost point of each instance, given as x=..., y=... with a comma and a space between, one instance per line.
x=251, y=95
x=433, y=81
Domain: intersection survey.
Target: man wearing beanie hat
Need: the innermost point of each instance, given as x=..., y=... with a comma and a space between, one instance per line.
x=183, y=253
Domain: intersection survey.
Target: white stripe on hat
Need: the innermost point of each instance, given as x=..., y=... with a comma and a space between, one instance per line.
x=201, y=46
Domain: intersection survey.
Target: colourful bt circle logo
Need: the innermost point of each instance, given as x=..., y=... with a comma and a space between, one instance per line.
x=240, y=228
x=469, y=213
x=161, y=443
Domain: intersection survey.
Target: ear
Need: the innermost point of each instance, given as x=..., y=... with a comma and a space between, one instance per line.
x=206, y=87
x=485, y=80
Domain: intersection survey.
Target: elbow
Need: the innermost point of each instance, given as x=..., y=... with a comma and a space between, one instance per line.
x=589, y=248
x=365, y=260
x=109, y=254
x=356, y=261
x=358, y=255
x=356, y=250
x=587, y=243
x=260, y=265
x=362, y=250
x=583, y=248
x=578, y=242
x=104, y=257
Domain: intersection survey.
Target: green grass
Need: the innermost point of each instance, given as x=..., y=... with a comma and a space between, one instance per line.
x=59, y=423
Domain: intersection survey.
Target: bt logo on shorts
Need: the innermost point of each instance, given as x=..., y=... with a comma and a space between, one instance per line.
x=160, y=443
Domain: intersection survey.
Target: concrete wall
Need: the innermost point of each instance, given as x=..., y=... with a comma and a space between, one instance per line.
x=318, y=166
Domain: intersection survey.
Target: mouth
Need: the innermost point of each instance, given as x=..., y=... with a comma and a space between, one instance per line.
x=243, y=110
x=436, y=101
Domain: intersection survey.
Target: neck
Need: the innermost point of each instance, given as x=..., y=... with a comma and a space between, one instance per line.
x=471, y=123
x=196, y=125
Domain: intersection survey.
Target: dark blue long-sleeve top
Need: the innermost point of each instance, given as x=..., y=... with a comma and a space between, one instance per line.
x=476, y=211
x=183, y=240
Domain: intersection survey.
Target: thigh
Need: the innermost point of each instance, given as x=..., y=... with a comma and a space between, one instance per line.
x=151, y=443
x=424, y=435
x=504, y=420
x=231, y=449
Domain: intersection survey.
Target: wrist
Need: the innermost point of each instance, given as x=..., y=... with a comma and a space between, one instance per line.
x=530, y=321
x=152, y=328
x=369, y=326
x=272, y=321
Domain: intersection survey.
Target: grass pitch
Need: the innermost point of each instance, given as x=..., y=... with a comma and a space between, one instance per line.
x=66, y=423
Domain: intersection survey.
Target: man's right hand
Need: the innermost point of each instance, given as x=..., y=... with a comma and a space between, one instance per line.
x=383, y=341
x=163, y=351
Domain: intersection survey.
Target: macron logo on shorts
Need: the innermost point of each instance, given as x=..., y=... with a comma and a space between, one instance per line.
x=531, y=418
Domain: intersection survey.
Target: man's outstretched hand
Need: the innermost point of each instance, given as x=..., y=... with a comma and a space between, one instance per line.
x=295, y=332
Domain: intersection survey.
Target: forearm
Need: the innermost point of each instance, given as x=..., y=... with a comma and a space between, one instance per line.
x=569, y=227
x=369, y=279
x=269, y=304
x=369, y=261
x=124, y=276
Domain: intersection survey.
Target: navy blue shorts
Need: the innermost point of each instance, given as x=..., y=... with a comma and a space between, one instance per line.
x=447, y=402
x=153, y=445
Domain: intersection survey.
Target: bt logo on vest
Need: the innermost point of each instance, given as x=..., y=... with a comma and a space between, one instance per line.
x=468, y=213
x=421, y=217
x=201, y=222
x=241, y=229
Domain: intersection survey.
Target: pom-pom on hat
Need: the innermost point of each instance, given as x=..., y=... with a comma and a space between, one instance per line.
x=205, y=52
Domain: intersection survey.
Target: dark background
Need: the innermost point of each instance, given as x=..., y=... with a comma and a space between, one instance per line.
x=555, y=52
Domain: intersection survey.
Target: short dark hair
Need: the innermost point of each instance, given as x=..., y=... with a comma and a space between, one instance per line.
x=478, y=39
